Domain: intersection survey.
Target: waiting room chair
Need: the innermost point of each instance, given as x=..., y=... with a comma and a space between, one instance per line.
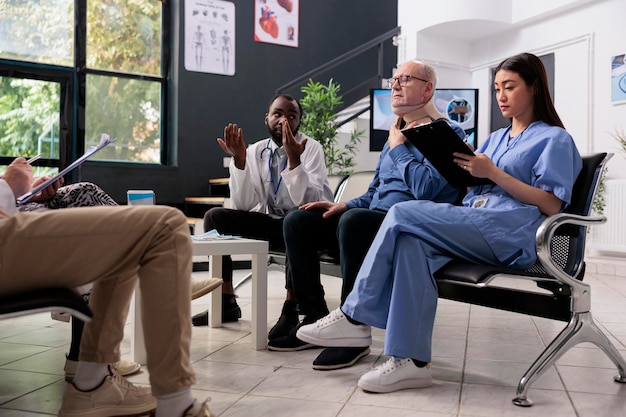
x=558, y=274
x=67, y=300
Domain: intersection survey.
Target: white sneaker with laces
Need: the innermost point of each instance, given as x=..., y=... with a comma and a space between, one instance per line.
x=335, y=330
x=396, y=374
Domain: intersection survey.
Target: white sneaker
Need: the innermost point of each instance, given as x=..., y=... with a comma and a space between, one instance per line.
x=200, y=287
x=115, y=396
x=335, y=330
x=396, y=374
x=122, y=367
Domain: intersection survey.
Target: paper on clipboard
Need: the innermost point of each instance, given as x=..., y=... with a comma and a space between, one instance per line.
x=105, y=140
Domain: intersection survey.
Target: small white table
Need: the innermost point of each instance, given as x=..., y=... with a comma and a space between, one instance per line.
x=215, y=249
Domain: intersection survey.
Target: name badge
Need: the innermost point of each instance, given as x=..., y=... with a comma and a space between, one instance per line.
x=480, y=202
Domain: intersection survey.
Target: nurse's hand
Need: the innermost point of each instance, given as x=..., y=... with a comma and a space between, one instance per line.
x=478, y=165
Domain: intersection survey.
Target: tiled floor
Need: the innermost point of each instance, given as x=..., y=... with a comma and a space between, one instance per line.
x=480, y=355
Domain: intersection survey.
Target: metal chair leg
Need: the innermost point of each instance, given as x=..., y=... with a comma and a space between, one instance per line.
x=581, y=328
x=248, y=277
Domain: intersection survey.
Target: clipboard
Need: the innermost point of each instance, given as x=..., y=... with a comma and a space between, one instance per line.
x=437, y=141
x=105, y=140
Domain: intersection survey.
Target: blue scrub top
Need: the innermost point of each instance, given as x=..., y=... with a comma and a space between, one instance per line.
x=543, y=156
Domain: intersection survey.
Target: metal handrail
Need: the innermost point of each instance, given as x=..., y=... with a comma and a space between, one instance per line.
x=377, y=41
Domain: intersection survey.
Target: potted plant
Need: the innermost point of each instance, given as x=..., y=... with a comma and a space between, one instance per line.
x=599, y=203
x=620, y=137
x=319, y=104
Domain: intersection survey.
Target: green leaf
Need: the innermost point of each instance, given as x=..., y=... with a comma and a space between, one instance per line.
x=320, y=104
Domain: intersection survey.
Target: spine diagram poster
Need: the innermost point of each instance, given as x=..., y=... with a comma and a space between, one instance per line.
x=276, y=21
x=210, y=36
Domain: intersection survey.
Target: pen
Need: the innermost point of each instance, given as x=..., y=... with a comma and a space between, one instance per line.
x=34, y=158
x=31, y=160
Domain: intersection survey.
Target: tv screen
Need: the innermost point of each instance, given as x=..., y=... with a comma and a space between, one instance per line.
x=460, y=104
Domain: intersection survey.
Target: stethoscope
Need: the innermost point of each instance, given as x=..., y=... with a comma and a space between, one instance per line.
x=268, y=148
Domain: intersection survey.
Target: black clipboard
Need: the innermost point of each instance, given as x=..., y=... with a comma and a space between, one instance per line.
x=437, y=141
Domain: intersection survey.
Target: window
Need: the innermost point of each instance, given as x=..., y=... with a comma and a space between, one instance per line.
x=118, y=89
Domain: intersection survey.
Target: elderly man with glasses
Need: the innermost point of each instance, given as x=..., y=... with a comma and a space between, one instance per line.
x=349, y=228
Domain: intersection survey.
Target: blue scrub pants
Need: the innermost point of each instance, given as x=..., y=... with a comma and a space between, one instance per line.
x=395, y=288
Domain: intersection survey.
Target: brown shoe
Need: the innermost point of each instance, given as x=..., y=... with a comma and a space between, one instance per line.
x=115, y=396
x=198, y=410
x=200, y=287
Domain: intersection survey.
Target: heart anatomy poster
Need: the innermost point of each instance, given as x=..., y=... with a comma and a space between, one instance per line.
x=210, y=36
x=276, y=21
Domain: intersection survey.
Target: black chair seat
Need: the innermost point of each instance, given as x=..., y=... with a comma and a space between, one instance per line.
x=42, y=300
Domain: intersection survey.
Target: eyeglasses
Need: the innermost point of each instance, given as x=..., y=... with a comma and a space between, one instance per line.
x=403, y=80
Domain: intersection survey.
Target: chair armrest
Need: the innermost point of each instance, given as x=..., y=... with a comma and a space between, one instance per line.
x=580, y=291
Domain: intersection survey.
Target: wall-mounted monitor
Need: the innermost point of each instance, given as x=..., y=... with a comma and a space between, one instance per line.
x=460, y=104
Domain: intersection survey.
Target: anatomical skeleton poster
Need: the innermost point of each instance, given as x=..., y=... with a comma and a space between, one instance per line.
x=210, y=36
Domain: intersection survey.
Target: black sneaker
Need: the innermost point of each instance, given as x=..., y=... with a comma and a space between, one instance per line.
x=337, y=358
x=286, y=322
x=230, y=312
x=289, y=343
x=230, y=308
x=201, y=319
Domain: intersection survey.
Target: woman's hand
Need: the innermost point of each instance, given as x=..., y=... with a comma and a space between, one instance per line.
x=478, y=165
x=482, y=167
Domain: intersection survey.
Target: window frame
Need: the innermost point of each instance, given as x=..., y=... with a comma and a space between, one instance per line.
x=73, y=91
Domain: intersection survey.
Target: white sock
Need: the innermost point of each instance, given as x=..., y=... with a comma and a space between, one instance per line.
x=174, y=404
x=90, y=375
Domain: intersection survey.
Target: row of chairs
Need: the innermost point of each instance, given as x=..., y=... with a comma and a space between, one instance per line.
x=559, y=292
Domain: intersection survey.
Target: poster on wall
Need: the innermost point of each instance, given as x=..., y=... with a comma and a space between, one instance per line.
x=276, y=21
x=618, y=79
x=210, y=36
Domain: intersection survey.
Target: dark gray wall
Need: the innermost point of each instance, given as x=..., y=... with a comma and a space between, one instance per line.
x=202, y=104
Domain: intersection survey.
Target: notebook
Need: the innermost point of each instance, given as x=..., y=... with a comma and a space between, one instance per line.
x=437, y=141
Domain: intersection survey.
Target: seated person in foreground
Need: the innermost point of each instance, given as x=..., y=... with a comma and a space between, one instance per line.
x=116, y=248
x=86, y=194
x=533, y=165
x=267, y=179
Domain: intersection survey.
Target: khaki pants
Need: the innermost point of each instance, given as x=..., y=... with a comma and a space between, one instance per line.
x=112, y=247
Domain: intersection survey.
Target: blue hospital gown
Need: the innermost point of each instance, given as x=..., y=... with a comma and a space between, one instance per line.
x=395, y=288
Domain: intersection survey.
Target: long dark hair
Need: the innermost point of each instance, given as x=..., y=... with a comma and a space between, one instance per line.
x=530, y=68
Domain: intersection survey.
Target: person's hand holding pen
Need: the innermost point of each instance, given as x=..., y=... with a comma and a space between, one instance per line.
x=19, y=176
x=48, y=192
